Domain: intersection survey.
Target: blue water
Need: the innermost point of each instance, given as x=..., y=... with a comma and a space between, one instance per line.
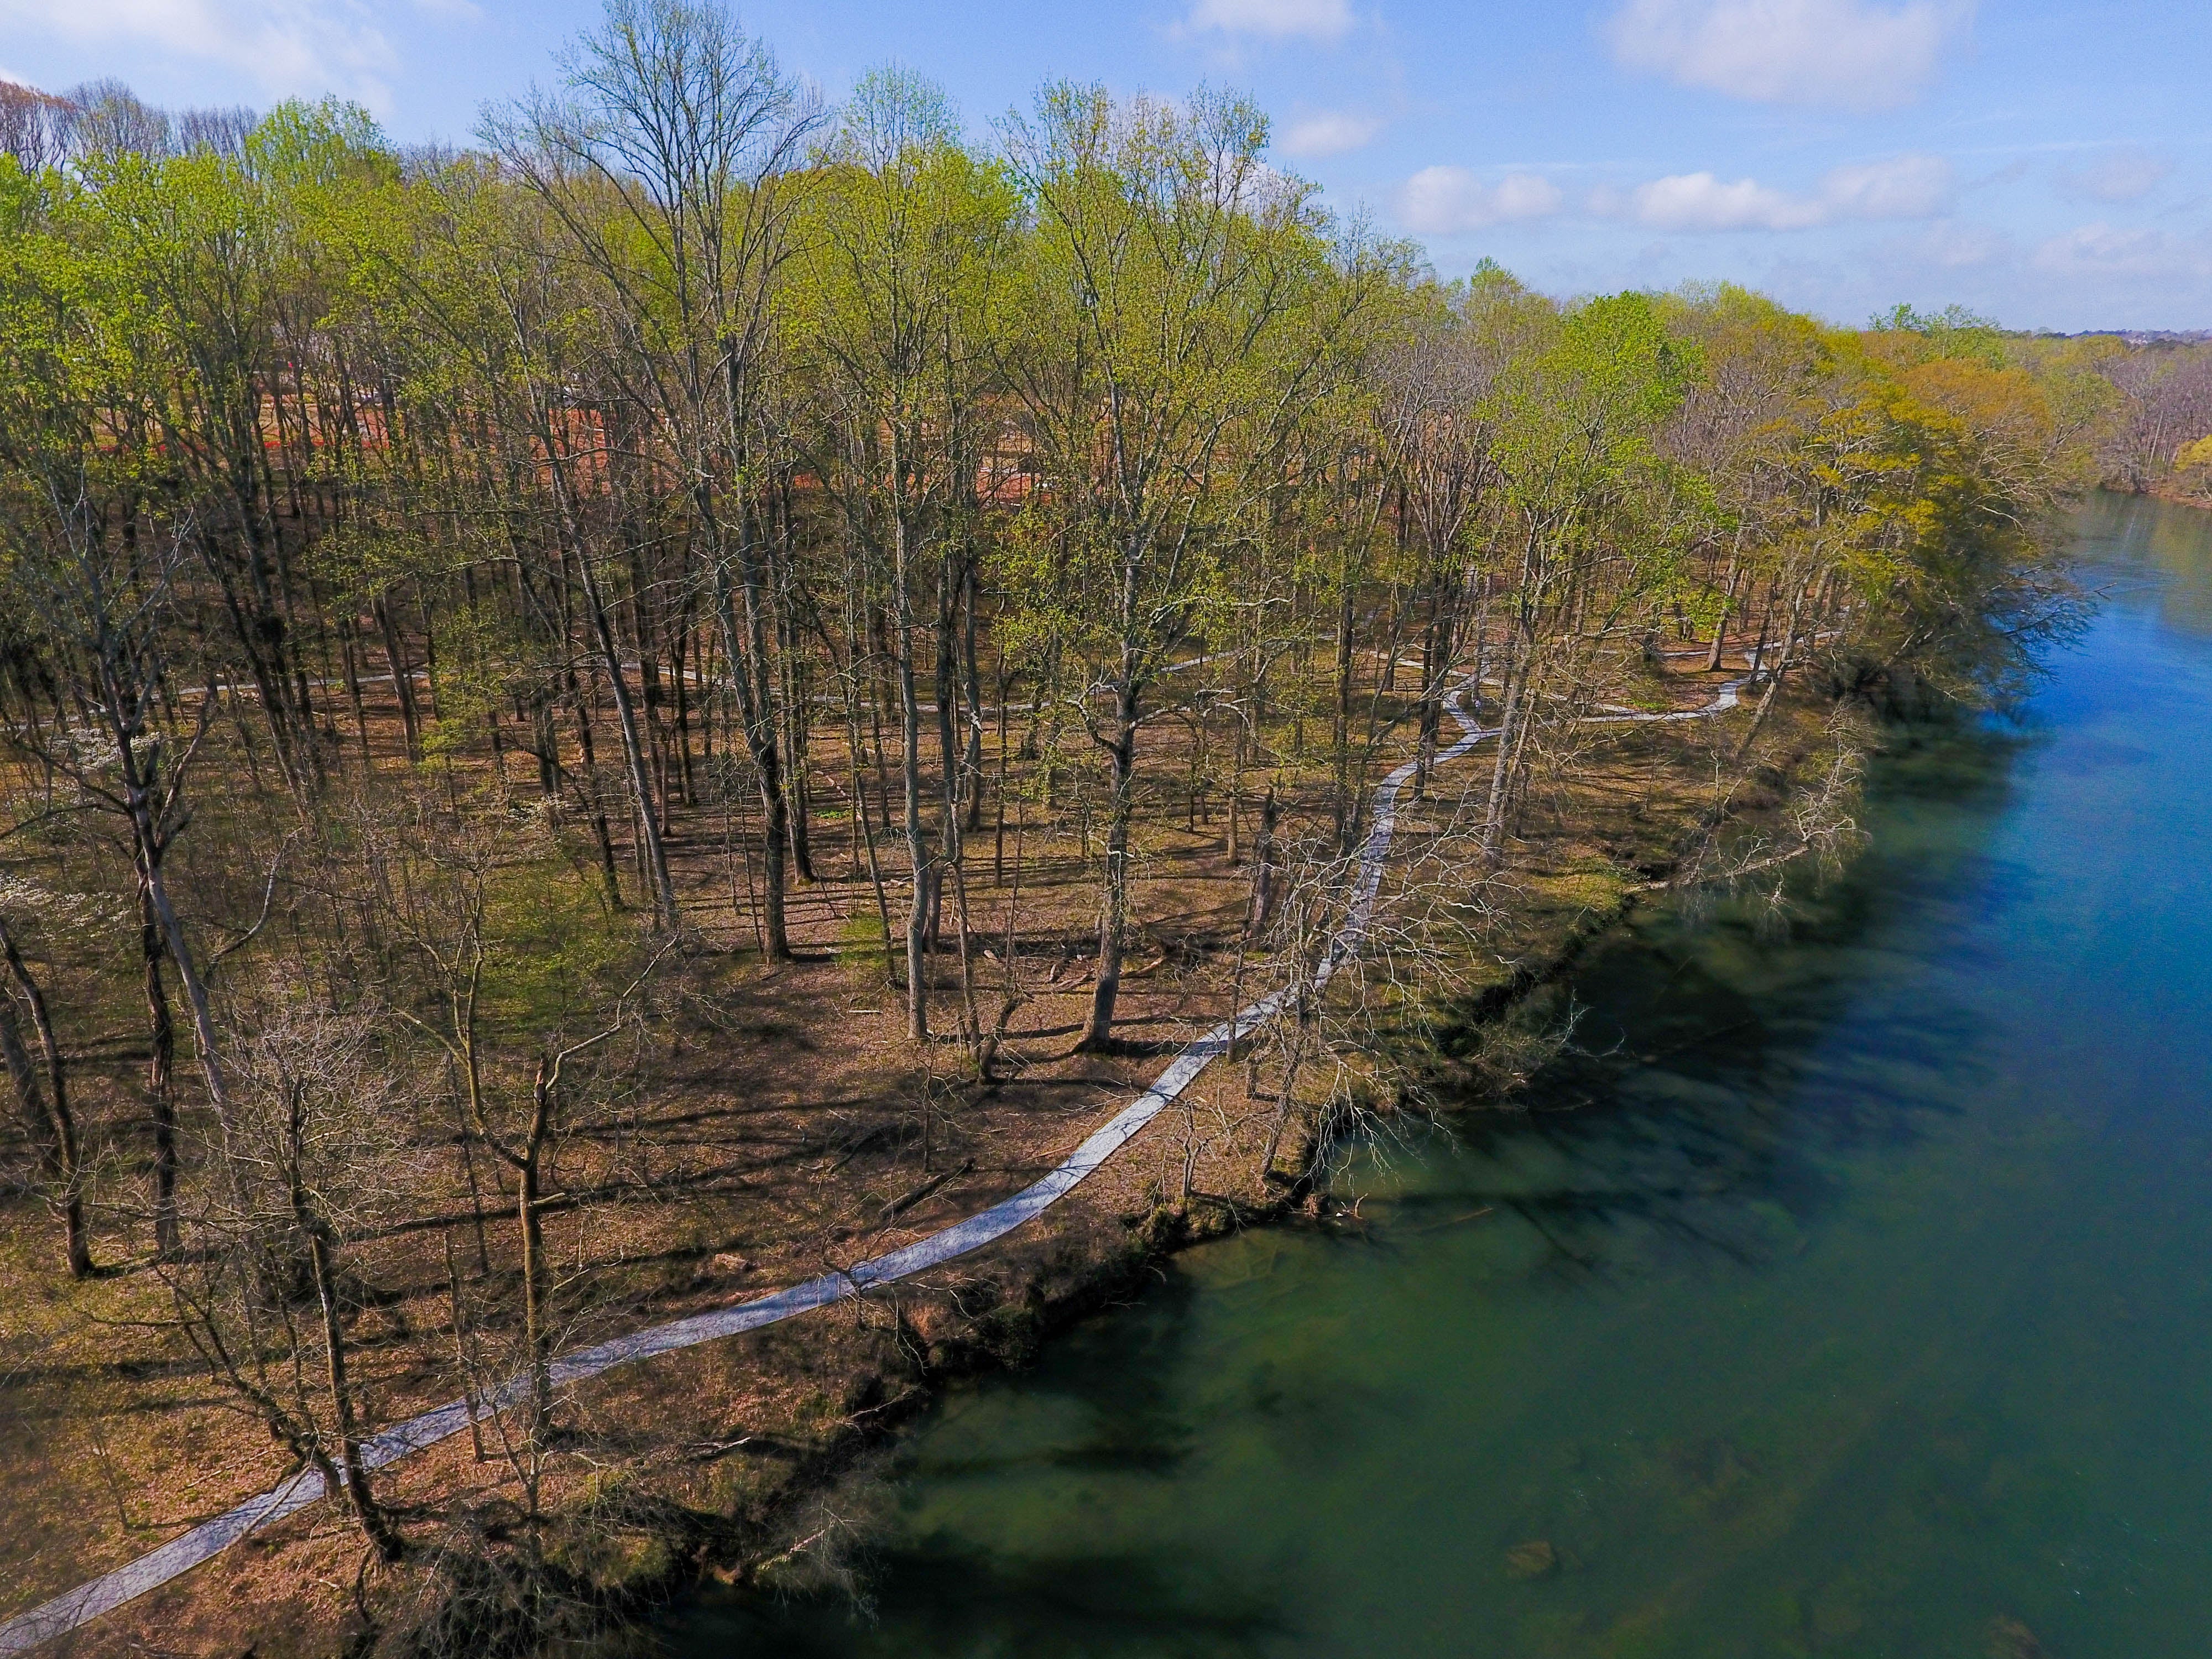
x=1850, y=1292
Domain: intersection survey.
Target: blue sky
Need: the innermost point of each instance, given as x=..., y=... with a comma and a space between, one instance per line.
x=2048, y=164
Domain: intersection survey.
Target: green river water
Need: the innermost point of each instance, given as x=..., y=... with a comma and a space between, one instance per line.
x=1861, y=1306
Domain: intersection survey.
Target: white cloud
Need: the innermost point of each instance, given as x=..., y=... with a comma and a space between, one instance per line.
x=1903, y=187
x=1332, y=133
x=1792, y=51
x=1699, y=201
x=1953, y=245
x=2104, y=251
x=283, y=45
x=2122, y=175
x=1447, y=201
x=1906, y=187
x=1316, y=19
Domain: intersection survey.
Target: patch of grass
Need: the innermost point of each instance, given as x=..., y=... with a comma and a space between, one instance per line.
x=859, y=946
x=554, y=945
x=1594, y=889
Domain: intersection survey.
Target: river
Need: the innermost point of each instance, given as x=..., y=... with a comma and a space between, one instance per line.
x=1850, y=1293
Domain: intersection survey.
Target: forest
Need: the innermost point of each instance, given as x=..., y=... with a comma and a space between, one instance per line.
x=594, y=720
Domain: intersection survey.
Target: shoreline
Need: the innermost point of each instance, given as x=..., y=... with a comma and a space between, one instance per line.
x=1052, y=1286
x=1114, y=1278
x=1052, y=1304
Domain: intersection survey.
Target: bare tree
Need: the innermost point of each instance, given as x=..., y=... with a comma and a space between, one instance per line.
x=679, y=133
x=106, y=601
x=310, y=1156
x=436, y=883
x=106, y=119
x=34, y=127
x=1436, y=427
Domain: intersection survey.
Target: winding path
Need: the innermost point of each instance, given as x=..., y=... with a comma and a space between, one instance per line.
x=75, y=1608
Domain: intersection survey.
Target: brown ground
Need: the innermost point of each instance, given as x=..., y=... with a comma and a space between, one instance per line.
x=776, y=1134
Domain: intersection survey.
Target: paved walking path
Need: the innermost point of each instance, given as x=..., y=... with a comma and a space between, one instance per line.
x=79, y=1606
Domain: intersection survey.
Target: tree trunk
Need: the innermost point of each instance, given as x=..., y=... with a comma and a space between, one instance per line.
x=536, y=1340
x=608, y=872
x=740, y=646
x=1781, y=667
x=664, y=911
x=1728, y=604
x=1114, y=897
x=1263, y=869
x=160, y=1086
x=975, y=761
x=919, y=861
x=403, y=681
x=47, y=1110
x=376, y=1524
x=1493, y=820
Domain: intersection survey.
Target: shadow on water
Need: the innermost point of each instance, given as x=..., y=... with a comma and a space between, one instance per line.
x=1034, y=1607
x=1842, y=1293
x=1143, y=1427
x=1701, y=1078
x=1702, y=1119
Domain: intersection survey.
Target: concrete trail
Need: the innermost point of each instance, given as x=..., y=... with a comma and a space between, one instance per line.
x=75, y=1608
